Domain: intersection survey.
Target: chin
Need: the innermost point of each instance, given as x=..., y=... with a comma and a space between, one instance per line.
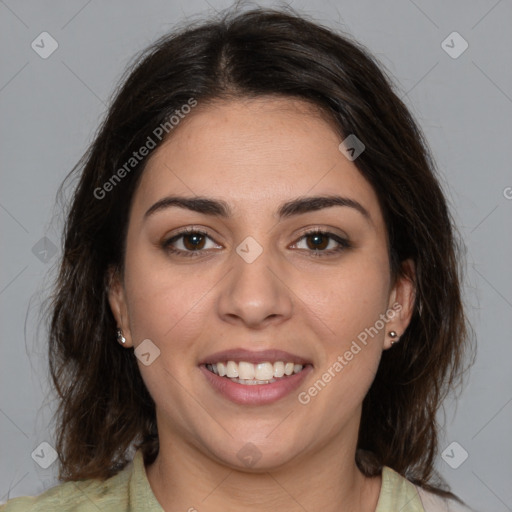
x=258, y=456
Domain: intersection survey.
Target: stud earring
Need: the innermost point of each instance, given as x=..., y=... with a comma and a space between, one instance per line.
x=393, y=335
x=120, y=338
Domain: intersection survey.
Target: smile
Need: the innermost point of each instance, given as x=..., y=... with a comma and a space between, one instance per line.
x=244, y=372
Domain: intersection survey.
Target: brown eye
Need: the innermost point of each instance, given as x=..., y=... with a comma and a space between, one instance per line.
x=191, y=242
x=322, y=243
x=194, y=241
x=317, y=241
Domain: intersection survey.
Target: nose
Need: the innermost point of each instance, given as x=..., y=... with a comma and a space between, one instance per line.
x=255, y=293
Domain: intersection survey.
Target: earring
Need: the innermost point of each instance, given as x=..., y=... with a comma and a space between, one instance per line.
x=120, y=338
x=393, y=335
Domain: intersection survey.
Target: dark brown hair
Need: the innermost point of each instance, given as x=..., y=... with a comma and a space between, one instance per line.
x=105, y=408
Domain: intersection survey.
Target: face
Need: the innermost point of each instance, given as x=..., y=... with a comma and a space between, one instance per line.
x=231, y=266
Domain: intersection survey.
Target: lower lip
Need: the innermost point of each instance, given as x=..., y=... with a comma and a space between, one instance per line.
x=257, y=394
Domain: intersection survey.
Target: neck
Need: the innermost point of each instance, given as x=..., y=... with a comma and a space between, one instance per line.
x=185, y=478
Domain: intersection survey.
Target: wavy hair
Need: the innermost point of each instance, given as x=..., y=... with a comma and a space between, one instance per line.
x=105, y=409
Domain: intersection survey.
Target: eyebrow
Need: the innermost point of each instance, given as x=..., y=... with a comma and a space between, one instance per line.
x=219, y=208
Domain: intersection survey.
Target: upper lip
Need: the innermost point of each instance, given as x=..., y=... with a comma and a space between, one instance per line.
x=255, y=357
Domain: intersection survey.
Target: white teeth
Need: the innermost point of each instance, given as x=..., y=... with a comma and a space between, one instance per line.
x=232, y=369
x=264, y=371
x=278, y=369
x=221, y=369
x=253, y=382
x=248, y=373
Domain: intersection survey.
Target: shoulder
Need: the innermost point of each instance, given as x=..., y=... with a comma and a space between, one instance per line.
x=78, y=496
x=434, y=503
x=398, y=493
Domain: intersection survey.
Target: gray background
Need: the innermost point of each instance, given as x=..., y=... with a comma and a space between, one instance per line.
x=51, y=107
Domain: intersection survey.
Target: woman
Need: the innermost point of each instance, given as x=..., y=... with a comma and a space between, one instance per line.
x=259, y=296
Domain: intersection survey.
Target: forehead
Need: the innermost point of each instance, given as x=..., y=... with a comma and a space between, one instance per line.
x=253, y=153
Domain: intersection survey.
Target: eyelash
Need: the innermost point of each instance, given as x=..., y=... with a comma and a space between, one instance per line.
x=342, y=243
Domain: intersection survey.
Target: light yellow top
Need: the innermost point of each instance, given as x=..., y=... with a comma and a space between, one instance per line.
x=129, y=491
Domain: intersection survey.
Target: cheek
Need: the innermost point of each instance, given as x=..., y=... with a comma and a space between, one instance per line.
x=349, y=299
x=168, y=309
x=350, y=303
x=162, y=305
x=165, y=309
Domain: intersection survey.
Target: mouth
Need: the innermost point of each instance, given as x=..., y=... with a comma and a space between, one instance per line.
x=250, y=374
x=255, y=378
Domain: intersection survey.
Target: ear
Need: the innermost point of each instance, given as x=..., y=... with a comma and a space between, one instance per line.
x=401, y=301
x=118, y=304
